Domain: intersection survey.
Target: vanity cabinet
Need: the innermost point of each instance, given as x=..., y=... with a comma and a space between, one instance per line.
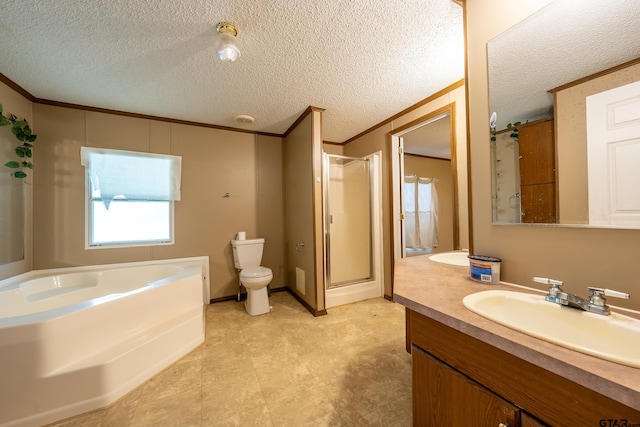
x=459, y=380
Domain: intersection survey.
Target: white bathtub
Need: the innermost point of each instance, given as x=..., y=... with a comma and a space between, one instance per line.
x=77, y=339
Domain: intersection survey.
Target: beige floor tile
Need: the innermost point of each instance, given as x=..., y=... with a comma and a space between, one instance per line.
x=272, y=352
x=178, y=378
x=225, y=399
x=255, y=416
x=354, y=396
x=284, y=380
x=310, y=408
x=334, y=363
x=226, y=357
x=183, y=409
x=389, y=415
x=93, y=418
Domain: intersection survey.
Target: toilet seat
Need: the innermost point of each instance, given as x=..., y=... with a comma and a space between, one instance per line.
x=255, y=272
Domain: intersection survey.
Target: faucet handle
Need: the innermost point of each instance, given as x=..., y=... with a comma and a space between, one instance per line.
x=599, y=292
x=554, y=283
x=598, y=302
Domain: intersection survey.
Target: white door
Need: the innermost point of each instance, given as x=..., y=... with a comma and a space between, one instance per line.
x=402, y=224
x=397, y=181
x=613, y=151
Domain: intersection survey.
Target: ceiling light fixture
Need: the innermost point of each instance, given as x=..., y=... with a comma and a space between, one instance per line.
x=226, y=43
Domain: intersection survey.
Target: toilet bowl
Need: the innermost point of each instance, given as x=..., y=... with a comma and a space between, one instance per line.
x=247, y=255
x=255, y=280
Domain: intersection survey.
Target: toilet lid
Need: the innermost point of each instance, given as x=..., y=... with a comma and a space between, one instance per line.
x=253, y=272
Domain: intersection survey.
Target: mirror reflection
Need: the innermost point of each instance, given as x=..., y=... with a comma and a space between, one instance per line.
x=428, y=188
x=542, y=169
x=12, y=215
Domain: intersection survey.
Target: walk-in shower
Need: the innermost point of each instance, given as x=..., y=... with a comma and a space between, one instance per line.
x=352, y=228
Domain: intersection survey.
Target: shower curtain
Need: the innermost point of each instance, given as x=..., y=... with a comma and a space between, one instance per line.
x=421, y=212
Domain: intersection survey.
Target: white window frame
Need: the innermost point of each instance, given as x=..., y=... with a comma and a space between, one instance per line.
x=89, y=222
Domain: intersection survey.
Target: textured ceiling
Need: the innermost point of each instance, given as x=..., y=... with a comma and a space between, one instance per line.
x=361, y=60
x=561, y=43
x=431, y=140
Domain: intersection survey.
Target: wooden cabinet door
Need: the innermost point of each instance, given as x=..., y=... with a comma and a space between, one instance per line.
x=444, y=397
x=528, y=421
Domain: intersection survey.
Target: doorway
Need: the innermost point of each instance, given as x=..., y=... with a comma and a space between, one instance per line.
x=353, y=229
x=424, y=151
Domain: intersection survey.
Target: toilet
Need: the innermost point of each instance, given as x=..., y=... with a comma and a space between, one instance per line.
x=247, y=255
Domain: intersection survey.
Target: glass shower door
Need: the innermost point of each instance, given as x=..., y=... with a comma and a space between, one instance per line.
x=348, y=229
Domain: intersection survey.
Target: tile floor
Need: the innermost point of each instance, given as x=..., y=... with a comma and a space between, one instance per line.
x=285, y=368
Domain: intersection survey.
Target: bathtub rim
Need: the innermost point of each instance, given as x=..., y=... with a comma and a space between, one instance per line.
x=43, y=316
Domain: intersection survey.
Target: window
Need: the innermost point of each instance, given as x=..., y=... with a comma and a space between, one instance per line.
x=421, y=212
x=130, y=197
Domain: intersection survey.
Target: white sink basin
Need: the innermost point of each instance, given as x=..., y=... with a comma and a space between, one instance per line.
x=453, y=258
x=615, y=338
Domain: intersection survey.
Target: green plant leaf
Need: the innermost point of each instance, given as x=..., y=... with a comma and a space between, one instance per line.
x=23, y=133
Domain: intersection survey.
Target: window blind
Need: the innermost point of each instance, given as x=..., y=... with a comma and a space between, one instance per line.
x=131, y=175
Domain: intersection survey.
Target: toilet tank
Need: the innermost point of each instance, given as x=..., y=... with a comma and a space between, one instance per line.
x=247, y=253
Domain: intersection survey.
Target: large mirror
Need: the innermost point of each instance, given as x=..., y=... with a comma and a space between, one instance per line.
x=542, y=73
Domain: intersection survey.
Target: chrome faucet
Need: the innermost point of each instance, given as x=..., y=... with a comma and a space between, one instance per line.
x=596, y=303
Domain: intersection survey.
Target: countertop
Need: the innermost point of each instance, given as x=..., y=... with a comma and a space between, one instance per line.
x=436, y=291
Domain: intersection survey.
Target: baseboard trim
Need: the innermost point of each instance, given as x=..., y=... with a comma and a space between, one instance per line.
x=227, y=298
x=389, y=297
x=313, y=311
x=243, y=296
